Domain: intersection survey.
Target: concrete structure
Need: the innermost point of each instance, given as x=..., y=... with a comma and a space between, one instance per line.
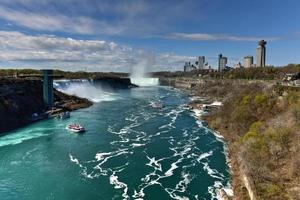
x=222, y=63
x=207, y=66
x=261, y=54
x=248, y=61
x=201, y=62
x=188, y=67
x=237, y=65
x=48, y=87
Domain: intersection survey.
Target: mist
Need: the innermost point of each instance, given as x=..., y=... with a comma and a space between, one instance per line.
x=140, y=72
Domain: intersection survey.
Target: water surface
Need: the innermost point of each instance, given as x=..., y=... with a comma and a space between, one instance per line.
x=130, y=151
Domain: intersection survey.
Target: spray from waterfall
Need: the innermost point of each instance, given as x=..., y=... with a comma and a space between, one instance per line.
x=140, y=71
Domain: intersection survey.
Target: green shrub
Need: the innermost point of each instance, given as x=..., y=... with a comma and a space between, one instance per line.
x=257, y=127
x=270, y=191
x=249, y=135
x=260, y=99
x=246, y=100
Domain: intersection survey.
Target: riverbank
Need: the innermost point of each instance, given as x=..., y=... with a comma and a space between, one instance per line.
x=260, y=123
x=21, y=99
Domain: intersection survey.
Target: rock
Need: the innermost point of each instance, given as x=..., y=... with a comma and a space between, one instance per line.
x=223, y=195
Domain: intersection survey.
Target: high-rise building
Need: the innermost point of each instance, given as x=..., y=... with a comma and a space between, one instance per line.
x=261, y=54
x=248, y=61
x=222, y=62
x=188, y=67
x=201, y=62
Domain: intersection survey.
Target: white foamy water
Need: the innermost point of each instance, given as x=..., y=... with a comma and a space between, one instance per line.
x=85, y=89
x=119, y=185
x=144, y=82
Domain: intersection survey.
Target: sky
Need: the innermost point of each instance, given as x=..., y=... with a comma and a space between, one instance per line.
x=121, y=35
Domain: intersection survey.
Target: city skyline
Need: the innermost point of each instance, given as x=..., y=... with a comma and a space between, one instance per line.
x=115, y=36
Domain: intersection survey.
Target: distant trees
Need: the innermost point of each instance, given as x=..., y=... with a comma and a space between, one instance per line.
x=65, y=74
x=258, y=73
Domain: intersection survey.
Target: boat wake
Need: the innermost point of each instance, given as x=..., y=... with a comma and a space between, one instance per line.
x=26, y=134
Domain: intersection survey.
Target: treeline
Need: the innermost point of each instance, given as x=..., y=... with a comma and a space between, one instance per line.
x=63, y=74
x=262, y=126
x=261, y=73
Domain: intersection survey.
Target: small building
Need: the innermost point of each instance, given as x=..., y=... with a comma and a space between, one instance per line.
x=292, y=79
x=248, y=61
x=238, y=65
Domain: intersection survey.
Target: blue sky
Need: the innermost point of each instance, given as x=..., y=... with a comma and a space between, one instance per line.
x=112, y=35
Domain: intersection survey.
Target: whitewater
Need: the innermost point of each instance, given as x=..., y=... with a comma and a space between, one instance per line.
x=130, y=150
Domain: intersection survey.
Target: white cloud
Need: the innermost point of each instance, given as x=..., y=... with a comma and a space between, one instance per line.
x=71, y=54
x=131, y=17
x=58, y=22
x=215, y=37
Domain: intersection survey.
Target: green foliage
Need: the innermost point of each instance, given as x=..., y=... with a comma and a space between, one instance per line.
x=249, y=135
x=245, y=100
x=272, y=191
x=260, y=98
x=254, y=132
x=257, y=127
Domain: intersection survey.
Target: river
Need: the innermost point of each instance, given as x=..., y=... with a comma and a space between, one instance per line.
x=129, y=151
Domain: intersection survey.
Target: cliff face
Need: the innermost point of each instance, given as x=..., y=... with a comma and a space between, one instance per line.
x=260, y=122
x=114, y=82
x=20, y=98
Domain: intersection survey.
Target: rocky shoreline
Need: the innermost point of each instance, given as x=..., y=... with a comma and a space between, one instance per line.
x=202, y=106
x=207, y=98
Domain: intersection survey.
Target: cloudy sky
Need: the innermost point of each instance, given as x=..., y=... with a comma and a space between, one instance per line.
x=112, y=35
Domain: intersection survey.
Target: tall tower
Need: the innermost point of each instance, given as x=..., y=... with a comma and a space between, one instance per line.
x=261, y=54
x=201, y=62
x=222, y=62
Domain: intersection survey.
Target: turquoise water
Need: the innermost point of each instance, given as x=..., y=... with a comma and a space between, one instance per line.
x=130, y=151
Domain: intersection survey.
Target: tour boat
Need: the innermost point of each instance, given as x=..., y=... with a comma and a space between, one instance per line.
x=75, y=128
x=156, y=105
